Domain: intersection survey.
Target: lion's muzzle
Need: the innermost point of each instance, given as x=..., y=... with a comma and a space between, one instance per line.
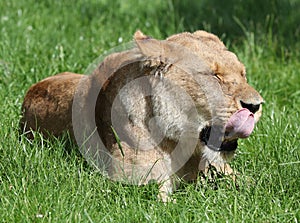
x=239, y=125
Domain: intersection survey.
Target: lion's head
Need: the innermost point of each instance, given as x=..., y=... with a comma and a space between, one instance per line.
x=215, y=80
x=241, y=102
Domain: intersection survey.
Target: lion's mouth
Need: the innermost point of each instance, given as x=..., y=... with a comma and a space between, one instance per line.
x=218, y=144
x=239, y=125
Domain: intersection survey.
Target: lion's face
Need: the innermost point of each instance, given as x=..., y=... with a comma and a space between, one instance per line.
x=241, y=107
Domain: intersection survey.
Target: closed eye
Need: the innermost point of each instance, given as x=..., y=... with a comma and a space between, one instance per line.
x=217, y=76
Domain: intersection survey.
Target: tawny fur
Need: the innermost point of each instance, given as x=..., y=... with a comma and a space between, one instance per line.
x=166, y=63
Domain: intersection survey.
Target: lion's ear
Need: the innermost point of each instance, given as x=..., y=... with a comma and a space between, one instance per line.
x=138, y=35
x=166, y=53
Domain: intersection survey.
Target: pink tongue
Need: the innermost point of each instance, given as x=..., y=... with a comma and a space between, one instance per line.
x=240, y=124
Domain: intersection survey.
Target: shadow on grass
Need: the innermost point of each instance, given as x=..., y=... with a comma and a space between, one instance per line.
x=279, y=18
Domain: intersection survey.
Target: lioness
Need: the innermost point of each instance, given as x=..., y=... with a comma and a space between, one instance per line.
x=163, y=109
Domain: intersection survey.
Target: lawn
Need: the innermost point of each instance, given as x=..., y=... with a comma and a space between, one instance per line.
x=42, y=181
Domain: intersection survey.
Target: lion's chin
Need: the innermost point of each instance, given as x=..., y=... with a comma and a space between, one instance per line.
x=217, y=144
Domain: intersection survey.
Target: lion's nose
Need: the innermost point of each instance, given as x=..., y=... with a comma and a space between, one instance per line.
x=251, y=107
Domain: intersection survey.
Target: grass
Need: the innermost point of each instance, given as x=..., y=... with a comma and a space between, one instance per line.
x=42, y=182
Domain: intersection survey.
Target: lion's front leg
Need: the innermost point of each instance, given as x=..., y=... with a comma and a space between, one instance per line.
x=215, y=163
x=166, y=189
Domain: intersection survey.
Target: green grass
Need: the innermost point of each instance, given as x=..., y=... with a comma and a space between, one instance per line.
x=42, y=182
